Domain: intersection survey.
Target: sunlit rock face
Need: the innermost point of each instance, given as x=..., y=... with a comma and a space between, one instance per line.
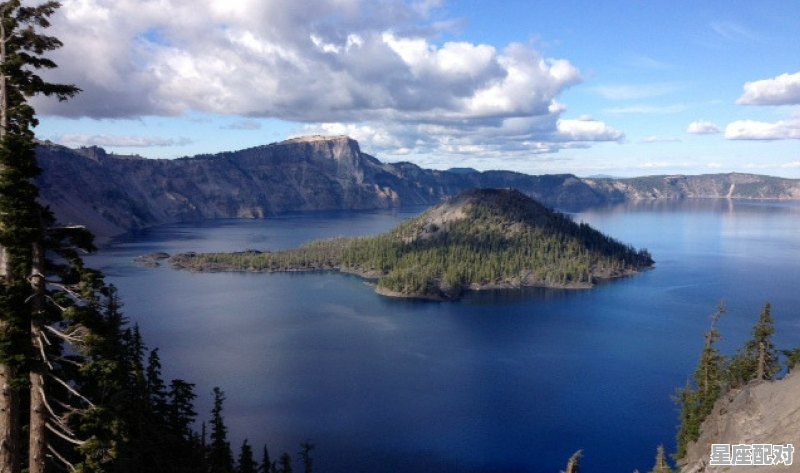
x=759, y=413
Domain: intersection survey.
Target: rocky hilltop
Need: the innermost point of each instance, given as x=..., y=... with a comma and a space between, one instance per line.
x=759, y=413
x=481, y=239
x=114, y=193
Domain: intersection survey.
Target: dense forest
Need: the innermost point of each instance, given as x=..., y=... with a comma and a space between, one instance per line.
x=481, y=238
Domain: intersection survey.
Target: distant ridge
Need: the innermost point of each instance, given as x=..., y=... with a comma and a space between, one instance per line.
x=112, y=194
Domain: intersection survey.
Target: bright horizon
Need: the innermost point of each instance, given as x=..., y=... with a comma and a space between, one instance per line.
x=619, y=90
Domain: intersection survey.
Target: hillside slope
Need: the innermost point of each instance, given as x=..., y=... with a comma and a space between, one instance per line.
x=759, y=413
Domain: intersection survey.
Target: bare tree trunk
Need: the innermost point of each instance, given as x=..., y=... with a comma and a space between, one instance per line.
x=38, y=445
x=10, y=429
x=9, y=420
x=3, y=118
x=762, y=361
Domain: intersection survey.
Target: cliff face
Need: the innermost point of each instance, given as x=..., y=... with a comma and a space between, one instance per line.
x=733, y=186
x=759, y=413
x=112, y=193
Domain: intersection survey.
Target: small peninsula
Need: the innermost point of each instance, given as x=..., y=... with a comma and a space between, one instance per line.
x=480, y=239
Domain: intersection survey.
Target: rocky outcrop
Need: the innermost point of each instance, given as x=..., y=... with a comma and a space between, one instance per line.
x=113, y=193
x=759, y=413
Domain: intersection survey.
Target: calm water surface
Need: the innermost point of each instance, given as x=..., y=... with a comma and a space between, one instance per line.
x=500, y=381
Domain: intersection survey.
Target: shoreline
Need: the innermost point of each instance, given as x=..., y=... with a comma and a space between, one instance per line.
x=373, y=277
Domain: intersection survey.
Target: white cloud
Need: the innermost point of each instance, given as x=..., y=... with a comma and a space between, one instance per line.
x=755, y=130
x=332, y=60
x=702, y=127
x=587, y=130
x=513, y=137
x=373, y=69
x=78, y=140
x=781, y=90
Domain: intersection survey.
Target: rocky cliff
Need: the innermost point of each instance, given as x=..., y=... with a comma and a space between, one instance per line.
x=759, y=413
x=733, y=186
x=113, y=193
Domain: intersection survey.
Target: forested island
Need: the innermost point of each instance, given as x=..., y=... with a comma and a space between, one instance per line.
x=481, y=239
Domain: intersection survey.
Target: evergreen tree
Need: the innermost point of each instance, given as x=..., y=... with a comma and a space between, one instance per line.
x=246, y=462
x=792, y=358
x=697, y=403
x=220, y=458
x=285, y=463
x=574, y=463
x=305, y=456
x=758, y=359
x=266, y=462
x=22, y=226
x=156, y=389
x=661, y=465
x=181, y=408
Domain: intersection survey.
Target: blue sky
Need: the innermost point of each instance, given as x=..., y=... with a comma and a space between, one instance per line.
x=621, y=88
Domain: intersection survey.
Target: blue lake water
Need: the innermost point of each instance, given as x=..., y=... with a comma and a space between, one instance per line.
x=501, y=381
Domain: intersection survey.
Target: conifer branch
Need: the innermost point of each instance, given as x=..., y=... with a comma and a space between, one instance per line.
x=64, y=335
x=42, y=352
x=64, y=436
x=71, y=389
x=61, y=458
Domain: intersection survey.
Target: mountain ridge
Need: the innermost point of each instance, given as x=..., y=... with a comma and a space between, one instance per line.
x=112, y=194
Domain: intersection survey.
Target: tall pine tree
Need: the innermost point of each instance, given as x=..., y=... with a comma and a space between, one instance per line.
x=758, y=359
x=220, y=457
x=23, y=231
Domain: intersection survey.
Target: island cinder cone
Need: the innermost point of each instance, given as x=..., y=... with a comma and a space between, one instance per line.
x=480, y=239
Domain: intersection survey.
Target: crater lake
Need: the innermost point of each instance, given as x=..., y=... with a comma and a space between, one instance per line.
x=500, y=381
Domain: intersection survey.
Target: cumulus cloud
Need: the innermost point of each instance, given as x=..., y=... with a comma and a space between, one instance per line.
x=756, y=130
x=587, y=130
x=702, y=127
x=78, y=140
x=781, y=90
x=373, y=68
